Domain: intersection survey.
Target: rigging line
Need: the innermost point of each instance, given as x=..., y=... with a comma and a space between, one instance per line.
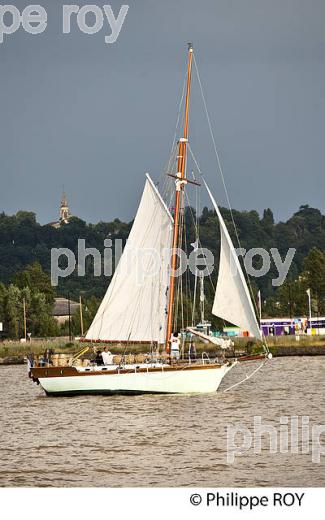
x=197, y=209
x=194, y=299
x=181, y=239
x=178, y=289
x=167, y=186
x=199, y=240
x=187, y=280
x=171, y=161
x=187, y=285
x=196, y=274
x=221, y=170
x=195, y=161
x=196, y=224
x=177, y=122
x=197, y=234
x=214, y=143
x=188, y=297
x=175, y=318
x=247, y=376
x=182, y=301
x=152, y=304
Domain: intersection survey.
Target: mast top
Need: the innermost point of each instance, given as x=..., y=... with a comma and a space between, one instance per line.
x=190, y=47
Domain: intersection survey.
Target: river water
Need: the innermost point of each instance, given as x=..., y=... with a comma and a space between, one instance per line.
x=165, y=440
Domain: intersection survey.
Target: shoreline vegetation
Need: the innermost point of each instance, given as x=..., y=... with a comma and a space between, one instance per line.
x=14, y=352
x=25, y=267
x=28, y=301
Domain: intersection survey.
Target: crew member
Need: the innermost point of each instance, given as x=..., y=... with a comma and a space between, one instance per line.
x=174, y=346
x=107, y=356
x=99, y=358
x=192, y=350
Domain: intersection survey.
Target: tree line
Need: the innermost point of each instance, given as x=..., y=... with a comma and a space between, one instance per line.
x=25, y=256
x=27, y=303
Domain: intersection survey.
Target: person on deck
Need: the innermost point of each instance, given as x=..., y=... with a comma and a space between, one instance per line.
x=99, y=358
x=107, y=356
x=192, y=350
x=174, y=346
x=48, y=356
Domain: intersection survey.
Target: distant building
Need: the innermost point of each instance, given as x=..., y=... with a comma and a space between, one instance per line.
x=283, y=327
x=61, y=309
x=64, y=213
x=291, y=326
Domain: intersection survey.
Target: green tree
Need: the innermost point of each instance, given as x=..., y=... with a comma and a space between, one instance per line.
x=37, y=280
x=314, y=277
x=89, y=309
x=40, y=318
x=3, y=299
x=267, y=221
x=292, y=298
x=14, y=312
x=26, y=217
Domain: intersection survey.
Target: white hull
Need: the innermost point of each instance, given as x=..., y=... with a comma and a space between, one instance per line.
x=203, y=380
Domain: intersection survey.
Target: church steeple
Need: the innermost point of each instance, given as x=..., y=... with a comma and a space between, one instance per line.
x=64, y=212
x=64, y=209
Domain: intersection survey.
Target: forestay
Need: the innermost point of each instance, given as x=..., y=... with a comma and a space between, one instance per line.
x=232, y=301
x=134, y=307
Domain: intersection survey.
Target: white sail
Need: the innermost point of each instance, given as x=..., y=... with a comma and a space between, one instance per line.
x=232, y=301
x=134, y=307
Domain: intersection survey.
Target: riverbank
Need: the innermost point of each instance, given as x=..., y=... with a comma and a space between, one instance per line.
x=14, y=353
x=282, y=346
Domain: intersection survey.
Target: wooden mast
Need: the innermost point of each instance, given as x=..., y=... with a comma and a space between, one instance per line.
x=180, y=182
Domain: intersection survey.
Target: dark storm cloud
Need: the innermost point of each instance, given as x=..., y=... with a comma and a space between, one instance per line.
x=95, y=117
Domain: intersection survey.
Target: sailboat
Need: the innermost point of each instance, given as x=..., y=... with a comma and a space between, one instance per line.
x=142, y=311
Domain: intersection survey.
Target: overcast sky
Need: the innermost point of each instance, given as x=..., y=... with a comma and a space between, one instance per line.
x=96, y=116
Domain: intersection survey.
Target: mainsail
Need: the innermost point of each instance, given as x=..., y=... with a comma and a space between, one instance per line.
x=232, y=301
x=134, y=307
